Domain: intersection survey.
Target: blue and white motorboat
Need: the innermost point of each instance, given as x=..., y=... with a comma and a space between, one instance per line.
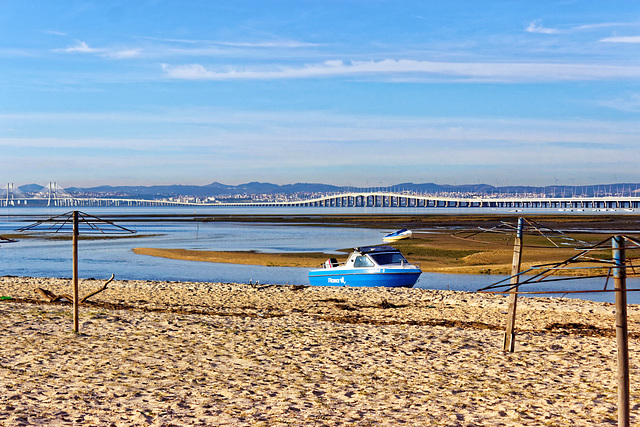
x=368, y=266
x=397, y=235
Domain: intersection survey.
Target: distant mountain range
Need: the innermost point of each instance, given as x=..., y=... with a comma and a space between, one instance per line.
x=217, y=189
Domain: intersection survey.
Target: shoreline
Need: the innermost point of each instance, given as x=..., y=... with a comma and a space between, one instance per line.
x=160, y=353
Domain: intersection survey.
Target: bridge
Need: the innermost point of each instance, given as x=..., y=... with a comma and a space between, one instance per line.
x=387, y=199
x=55, y=196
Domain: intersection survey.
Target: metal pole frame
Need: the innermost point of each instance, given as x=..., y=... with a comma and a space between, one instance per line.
x=509, y=334
x=75, y=272
x=622, y=332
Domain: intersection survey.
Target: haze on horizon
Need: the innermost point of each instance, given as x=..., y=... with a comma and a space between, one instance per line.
x=354, y=93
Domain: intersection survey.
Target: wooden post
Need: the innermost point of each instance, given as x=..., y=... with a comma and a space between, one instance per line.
x=509, y=334
x=622, y=332
x=75, y=272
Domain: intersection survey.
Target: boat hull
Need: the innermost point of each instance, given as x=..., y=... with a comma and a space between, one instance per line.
x=397, y=235
x=385, y=277
x=395, y=238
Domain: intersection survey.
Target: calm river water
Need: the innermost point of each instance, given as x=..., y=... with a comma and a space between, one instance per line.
x=100, y=258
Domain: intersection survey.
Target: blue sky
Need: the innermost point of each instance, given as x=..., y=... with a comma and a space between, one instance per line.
x=362, y=93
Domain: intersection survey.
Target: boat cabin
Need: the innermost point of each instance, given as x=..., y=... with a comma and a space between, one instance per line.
x=371, y=256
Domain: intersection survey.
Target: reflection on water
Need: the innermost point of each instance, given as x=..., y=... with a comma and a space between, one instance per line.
x=100, y=258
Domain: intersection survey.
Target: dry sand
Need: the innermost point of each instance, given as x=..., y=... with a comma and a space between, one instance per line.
x=169, y=353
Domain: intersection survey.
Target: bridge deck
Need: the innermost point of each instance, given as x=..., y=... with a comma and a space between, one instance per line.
x=363, y=199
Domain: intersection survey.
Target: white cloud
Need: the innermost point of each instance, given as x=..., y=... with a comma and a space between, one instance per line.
x=55, y=33
x=123, y=54
x=183, y=47
x=473, y=71
x=18, y=53
x=536, y=27
x=628, y=104
x=627, y=39
x=168, y=47
x=269, y=44
x=602, y=25
x=81, y=47
x=277, y=43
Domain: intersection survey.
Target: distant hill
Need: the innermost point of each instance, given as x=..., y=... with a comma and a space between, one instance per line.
x=217, y=189
x=214, y=189
x=30, y=188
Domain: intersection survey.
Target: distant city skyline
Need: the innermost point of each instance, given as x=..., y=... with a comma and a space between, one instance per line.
x=354, y=93
x=10, y=190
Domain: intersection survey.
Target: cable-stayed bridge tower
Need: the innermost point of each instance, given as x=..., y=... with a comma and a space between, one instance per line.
x=53, y=192
x=10, y=195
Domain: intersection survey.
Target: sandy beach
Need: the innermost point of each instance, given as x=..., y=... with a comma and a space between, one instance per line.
x=170, y=353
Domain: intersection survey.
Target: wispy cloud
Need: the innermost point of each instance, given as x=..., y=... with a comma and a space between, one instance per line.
x=630, y=103
x=270, y=44
x=603, y=25
x=83, y=48
x=182, y=47
x=169, y=47
x=621, y=39
x=476, y=71
x=18, y=53
x=80, y=47
x=229, y=127
x=55, y=33
x=252, y=136
x=275, y=43
x=536, y=27
x=123, y=54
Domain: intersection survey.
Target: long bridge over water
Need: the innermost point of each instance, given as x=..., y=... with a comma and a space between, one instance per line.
x=368, y=199
x=387, y=199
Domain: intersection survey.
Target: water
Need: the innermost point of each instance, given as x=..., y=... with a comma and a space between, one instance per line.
x=100, y=258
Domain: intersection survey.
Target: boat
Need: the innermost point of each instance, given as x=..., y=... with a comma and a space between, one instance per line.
x=397, y=235
x=368, y=266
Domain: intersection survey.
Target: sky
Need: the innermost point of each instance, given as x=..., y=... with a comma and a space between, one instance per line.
x=356, y=93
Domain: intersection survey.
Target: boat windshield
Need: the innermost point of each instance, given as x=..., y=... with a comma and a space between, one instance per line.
x=362, y=261
x=389, y=258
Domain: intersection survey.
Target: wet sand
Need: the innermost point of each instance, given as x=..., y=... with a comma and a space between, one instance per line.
x=177, y=353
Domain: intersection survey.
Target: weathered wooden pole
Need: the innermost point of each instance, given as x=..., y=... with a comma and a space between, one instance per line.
x=509, y=334
x=622, y=332
x=75, y=272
